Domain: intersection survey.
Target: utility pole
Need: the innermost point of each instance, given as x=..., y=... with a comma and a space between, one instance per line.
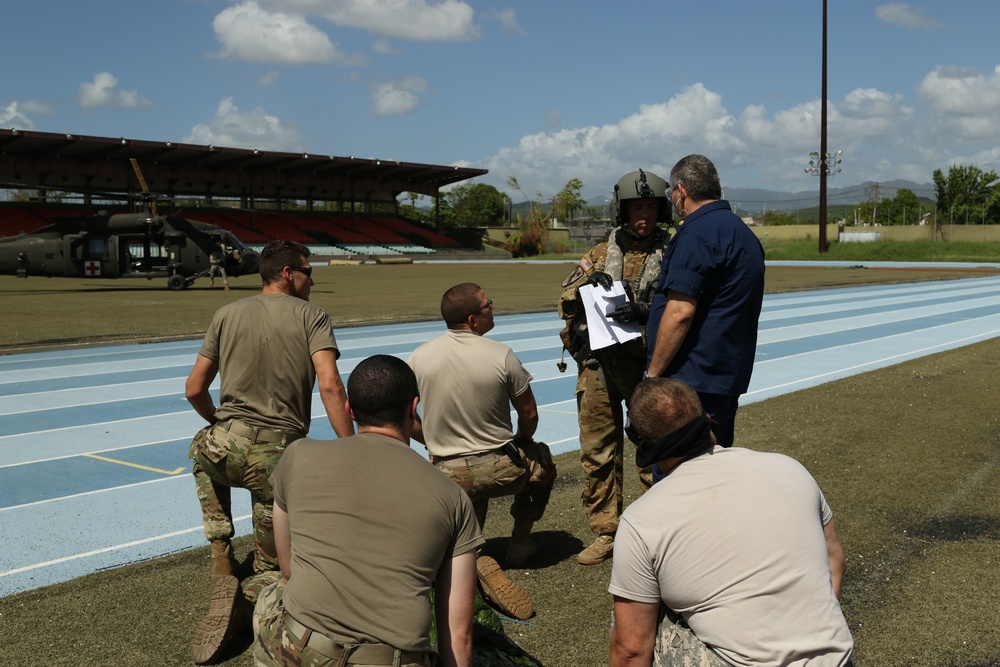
x=822, y=149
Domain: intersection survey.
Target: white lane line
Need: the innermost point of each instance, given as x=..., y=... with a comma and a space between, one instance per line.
x=104, y=550
x=812, y=380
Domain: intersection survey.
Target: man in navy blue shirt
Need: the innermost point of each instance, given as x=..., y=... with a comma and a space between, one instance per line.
x=703, y=319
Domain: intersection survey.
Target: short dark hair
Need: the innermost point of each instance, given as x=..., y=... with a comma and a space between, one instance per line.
x=276, y=255
x=659, y=406
x=698, y=176
x=380, y=389
x=459, y=302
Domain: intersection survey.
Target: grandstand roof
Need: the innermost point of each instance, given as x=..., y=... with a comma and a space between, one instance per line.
x=99, y=165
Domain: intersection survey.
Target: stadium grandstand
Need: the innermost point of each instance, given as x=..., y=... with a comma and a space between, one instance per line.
x=337, y=206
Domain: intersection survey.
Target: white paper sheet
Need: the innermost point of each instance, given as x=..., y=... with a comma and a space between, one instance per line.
x=598, y=304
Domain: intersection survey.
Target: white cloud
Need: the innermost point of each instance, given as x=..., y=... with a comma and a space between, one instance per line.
x=269, y=79
x=382, y=46
x=246, y=129
x=901, y=14
x=37, y=107
x=508, y=19
x=248, y=32
x=12, y=117
x=103, y=92
x=773, y=147
x=397, y=98
x=961, y=91
x=964, y=106
x=415, y=20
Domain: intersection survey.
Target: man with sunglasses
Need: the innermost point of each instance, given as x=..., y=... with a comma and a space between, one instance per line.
x=468, y=384
x=732, y=559
x=269, y=349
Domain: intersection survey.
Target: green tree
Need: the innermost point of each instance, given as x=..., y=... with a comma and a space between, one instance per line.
x=903, y=209
x=530, y=238
x=568, y=201
x=775, y=218
x=412, y=212
x=477, y=205
x=965, y=193
x=442, y=214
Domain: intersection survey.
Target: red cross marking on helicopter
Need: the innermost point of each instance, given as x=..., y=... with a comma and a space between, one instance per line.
x=92, y=268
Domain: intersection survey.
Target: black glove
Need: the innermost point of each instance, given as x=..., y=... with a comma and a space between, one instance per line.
x=631, y=312
x=600, y=278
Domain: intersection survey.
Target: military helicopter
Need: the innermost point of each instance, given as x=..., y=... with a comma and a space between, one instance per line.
x=126, y=245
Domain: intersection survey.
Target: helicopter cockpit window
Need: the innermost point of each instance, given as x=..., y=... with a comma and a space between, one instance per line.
x=96, y=248
x=232, y=242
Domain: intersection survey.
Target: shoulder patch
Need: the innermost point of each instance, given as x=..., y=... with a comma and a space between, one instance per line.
x=573, y=276
x=585, y=264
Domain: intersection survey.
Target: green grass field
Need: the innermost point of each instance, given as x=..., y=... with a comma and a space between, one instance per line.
x=908, y=457
x=61, y=311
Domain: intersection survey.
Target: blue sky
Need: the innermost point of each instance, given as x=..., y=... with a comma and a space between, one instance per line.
x=545, y=90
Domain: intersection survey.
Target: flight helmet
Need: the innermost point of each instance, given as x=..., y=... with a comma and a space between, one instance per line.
x=637, y=185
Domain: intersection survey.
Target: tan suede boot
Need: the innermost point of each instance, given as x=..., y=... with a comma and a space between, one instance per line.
x=598, y=552
x=521, y=547
x=223, y=562
x=229, y=613
x=506, y=596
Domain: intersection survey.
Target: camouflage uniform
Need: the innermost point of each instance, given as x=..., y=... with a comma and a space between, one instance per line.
x=275, y=644
x=606, y=378
x=677, y=646
x=224, y=459
x=527, y=474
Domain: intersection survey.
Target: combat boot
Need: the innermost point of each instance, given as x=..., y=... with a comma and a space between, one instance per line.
x=598, y=552
x=501, y=592
x=229, y=614
x=223, y=562
x=521, y=547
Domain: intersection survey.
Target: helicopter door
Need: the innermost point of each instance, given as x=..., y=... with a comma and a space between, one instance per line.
x=141, y=255
x=98, y=257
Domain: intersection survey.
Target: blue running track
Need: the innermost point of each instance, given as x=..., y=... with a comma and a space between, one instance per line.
x=93, y=442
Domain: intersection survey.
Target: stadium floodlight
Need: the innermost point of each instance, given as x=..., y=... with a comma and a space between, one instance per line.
x=830, y=164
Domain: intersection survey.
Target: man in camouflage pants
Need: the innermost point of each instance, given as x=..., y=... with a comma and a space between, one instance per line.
x=269, y=350
x=365, y=529
x=468, y=384
x=606, y=377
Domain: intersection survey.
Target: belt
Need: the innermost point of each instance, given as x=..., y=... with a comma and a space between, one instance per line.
x=236, y=427
x=469, y=460
x=359, y=654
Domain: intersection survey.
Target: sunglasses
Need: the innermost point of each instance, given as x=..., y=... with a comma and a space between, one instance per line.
x=307, y=271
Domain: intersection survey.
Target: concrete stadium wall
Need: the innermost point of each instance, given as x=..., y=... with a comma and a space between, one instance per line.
x=503, y=233
x=970, y=233
x=794, y=232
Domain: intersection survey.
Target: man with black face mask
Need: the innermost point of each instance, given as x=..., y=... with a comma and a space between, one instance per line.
x=704, y=314
x=733, y=558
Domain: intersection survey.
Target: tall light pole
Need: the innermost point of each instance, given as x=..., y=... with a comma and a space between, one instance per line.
x=822, y=148
x=823, y=164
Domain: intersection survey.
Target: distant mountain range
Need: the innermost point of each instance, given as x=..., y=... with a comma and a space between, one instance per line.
x=758, y=200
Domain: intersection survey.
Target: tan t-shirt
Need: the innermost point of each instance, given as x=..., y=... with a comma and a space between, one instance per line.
x=371, y=523
x=264, y=346
x=466, y=385
x=733, y=541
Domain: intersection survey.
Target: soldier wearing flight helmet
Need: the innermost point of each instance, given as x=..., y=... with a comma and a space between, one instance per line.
x=632, y=254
